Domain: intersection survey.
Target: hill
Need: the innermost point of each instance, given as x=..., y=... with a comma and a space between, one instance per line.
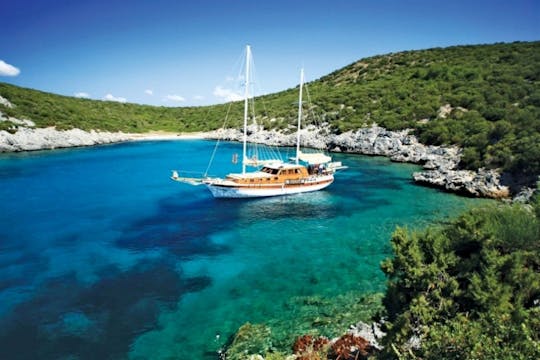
x=484, y=98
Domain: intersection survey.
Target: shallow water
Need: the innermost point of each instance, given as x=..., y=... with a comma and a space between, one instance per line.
x=102, y=256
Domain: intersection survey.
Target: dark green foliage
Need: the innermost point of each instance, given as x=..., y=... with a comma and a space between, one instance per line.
x=493, y=92
x=468, y=290
x=67, y=112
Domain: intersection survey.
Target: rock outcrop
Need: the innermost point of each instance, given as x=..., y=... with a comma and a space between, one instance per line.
x=371, y=333
x=482, y=183
x=440, y=163
x=6, y=103
x=25, y=139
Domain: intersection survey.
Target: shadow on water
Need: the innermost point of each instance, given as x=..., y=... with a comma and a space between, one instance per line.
x=298, y=206
x=183, y=226
x=66, y=318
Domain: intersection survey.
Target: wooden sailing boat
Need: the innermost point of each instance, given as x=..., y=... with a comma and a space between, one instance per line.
x=307, y=172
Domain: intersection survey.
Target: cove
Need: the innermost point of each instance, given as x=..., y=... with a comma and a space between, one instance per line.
x=103, y=256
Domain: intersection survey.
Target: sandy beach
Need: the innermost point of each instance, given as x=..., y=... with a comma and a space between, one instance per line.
x=163, y=135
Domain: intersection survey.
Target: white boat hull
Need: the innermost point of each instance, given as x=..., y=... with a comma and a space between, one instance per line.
x=227, y=190
x=305, y=173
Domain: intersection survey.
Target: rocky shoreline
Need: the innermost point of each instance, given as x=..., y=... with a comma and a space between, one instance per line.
x=440, y=163
x=26, y=139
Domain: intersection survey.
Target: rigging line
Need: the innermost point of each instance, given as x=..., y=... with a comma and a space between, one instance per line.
x=239, y=60
x=273, y=150
x=260, y=91
x=318, y=121
x=256, y=84
x=218, y=141
x=310, y=108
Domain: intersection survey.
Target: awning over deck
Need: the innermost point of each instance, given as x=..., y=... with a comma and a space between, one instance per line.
x=314, y=158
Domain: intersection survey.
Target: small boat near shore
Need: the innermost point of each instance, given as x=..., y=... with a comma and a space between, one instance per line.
x=305, y=172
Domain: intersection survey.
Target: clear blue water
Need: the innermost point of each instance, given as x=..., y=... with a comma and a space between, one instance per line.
x=103, y=256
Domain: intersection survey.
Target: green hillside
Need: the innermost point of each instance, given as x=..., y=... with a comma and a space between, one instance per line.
x=491, y=94
x=65, y=112
x=494, y=91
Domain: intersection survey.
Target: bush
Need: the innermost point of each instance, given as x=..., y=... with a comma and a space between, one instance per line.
x=469, y=289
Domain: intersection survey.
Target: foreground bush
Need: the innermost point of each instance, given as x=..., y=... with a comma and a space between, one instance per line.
x=467, y=290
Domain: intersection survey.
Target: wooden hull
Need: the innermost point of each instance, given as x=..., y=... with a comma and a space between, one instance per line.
x=227, y=189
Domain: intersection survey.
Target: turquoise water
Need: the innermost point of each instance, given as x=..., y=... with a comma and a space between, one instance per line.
x=102, y=256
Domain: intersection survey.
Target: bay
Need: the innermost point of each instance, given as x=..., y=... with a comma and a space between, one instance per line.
x=103, y=256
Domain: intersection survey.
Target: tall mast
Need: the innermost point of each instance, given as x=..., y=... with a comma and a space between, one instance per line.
x=246, y=105
x=299, y=116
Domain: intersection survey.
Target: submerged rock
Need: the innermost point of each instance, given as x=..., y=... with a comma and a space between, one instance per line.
x=250, y=341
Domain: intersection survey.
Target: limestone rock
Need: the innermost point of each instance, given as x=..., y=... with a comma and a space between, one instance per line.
x=524, y=196
x=484, y=183
x=440, y=163
x=5, y=102
x=371, y=333
x=26, y=139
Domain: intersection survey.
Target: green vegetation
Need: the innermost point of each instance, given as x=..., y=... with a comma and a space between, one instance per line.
x=313, y=315
x=492, y=91
x=468, y=290
x=491, y=94
x=64, y=112
x=250, y=339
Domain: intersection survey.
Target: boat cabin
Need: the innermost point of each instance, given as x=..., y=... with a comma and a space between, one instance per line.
x=273, y=174
x=286, y=171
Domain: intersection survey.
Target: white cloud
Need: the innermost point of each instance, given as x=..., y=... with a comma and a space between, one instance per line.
x=8, y=70
x=110, y=97
x=176, y=98
x=149, y=92
x=82, y=95
x=227, y=94
x=229, y=79
x=198, y=97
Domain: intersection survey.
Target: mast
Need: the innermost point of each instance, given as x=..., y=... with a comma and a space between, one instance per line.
x=246, y=105
x=299, y=116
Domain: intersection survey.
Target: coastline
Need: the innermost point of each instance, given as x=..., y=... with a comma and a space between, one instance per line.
x=35, y=139
x=164, y=135
x=440, y=163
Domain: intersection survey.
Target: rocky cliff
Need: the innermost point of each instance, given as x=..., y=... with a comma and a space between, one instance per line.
x=440, y=163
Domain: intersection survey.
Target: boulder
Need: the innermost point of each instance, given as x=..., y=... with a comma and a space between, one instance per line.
x=371, y=333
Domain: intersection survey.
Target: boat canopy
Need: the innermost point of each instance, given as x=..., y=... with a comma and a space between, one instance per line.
x=314, y=158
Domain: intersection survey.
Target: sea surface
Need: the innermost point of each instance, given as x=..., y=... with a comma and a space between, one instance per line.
x=102, y=256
